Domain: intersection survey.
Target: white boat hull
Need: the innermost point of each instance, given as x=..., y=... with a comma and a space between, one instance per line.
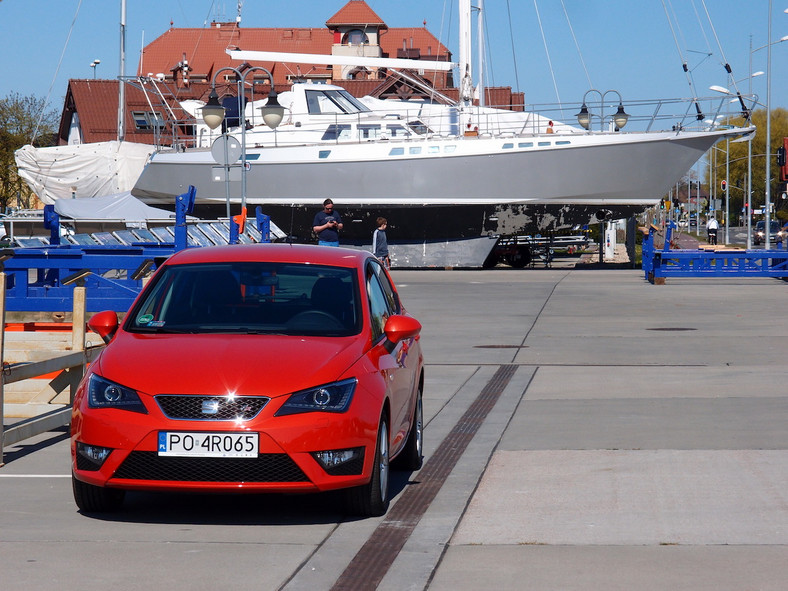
x=595, y=170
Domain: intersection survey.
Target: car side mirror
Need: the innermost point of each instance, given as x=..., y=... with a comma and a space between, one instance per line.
x=398, y=328
x=104, y=324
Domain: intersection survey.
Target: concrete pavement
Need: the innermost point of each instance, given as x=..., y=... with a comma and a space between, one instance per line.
x=640, y=444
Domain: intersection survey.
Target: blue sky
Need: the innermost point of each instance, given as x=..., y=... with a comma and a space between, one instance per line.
x=626, y=45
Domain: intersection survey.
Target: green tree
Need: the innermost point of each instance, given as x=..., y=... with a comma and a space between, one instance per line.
x=23, y=120
x=736, y=154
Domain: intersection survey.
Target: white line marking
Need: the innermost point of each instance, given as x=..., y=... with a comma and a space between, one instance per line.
x=35, y=475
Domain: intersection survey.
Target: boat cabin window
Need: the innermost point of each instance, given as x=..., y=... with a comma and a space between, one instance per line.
x=336, y=132
x=372, y=131
x=397, y=131
x=326, y=102
x=418, y=127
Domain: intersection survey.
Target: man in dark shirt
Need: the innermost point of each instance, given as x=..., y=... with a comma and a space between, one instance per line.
x=327, y=224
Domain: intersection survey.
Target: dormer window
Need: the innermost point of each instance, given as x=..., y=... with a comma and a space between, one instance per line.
x=356, y=37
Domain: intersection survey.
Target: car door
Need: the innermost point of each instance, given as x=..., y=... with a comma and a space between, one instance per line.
x=396, y=367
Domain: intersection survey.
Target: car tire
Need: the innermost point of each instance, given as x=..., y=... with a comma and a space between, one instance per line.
x=372, y=499
x=96, y=499
x=412, y=455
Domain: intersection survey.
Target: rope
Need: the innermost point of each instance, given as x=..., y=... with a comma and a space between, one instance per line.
x=52, y=84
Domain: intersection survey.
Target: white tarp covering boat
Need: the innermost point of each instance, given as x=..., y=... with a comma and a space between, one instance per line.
x=122, y=206
x=81, y=170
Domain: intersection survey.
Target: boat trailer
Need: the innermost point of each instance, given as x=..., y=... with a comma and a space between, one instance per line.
x=707, y=260
x=42, y=278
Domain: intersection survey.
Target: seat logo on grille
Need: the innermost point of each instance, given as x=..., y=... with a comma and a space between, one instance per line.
x=210, y=407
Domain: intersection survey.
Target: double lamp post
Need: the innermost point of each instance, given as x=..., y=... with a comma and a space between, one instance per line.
x=213, y=115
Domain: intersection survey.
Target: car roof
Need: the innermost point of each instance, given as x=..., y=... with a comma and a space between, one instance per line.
x=285, y=253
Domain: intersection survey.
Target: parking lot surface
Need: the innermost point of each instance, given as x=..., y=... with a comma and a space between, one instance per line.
x=584, y=430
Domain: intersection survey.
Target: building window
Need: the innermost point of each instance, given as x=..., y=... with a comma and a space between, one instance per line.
x=147, y=121
x=356, y=37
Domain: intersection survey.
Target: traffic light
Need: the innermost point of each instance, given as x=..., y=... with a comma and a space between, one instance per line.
x=781, y=160
x=662, y=204
x=724, y=184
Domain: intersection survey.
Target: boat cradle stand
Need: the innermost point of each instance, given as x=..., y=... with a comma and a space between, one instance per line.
x=707, y=261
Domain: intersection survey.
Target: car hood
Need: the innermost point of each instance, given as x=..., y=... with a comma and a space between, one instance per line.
x=218, y=364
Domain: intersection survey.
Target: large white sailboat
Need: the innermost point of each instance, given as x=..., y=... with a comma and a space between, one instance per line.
x=460, y=181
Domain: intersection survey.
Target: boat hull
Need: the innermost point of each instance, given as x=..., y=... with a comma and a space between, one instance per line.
x=444, y=188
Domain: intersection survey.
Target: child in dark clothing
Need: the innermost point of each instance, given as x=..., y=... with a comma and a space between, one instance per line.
x=380, y=245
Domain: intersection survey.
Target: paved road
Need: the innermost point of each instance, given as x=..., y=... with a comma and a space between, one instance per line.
x=637, y=442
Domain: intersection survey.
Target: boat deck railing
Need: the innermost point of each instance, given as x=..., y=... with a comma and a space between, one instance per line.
x=422, y=120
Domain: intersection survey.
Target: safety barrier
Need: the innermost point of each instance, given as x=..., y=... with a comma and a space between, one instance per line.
x=708, y=261
x=74, y=362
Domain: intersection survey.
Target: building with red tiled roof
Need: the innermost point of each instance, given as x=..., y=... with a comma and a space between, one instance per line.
x=182, y=64
x=356, y=13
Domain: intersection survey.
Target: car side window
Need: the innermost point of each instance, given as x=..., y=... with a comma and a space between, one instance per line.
x=391, y=296
x=378, y=306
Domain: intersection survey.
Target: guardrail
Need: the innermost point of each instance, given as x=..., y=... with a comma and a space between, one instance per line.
x=16, y=372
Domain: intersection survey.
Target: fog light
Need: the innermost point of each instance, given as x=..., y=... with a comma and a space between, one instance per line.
x=94, y=453
x=333, y=458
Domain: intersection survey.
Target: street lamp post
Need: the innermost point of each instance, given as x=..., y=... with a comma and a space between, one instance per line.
x=723, y=90
x=213, y=114
x=619, y=118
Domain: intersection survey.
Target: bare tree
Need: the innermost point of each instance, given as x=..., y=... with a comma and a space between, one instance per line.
x=23, y=120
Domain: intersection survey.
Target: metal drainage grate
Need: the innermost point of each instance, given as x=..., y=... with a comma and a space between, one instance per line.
x=374, y=558
x=672, y=329
x=500, y=346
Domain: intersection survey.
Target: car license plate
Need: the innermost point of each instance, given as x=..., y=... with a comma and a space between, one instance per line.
x=208, y=445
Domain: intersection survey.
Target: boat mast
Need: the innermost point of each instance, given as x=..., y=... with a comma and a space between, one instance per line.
x=466, y=74
x=480, y=41
x=121, y=83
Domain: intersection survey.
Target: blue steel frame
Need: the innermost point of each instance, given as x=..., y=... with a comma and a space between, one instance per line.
x=709, y=263
x=42, y=279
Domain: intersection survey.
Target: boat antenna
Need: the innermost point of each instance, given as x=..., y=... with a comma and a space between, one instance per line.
x=745, y=112
x=687, y=72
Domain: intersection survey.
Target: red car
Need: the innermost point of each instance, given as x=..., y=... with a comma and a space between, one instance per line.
x=258, y=368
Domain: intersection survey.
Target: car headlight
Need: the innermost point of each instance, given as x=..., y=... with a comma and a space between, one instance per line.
x=103, y=393
x=334, y=397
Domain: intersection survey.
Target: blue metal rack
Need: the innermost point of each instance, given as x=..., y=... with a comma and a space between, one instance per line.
x=42, y=278
x=712, y=262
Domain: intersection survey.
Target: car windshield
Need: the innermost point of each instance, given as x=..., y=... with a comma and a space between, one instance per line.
x=250, y=298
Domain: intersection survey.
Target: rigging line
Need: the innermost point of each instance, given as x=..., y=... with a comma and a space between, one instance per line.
x=726, y=65
x=547, y=51
x=577, y=45
x=52, y=84
x=699, y=114
x=702, y=28
x=440, y=36
x=487, y=75
x=514, y=54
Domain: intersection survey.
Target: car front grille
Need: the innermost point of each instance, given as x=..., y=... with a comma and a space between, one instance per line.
x=210, y=408
x=148, y=465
